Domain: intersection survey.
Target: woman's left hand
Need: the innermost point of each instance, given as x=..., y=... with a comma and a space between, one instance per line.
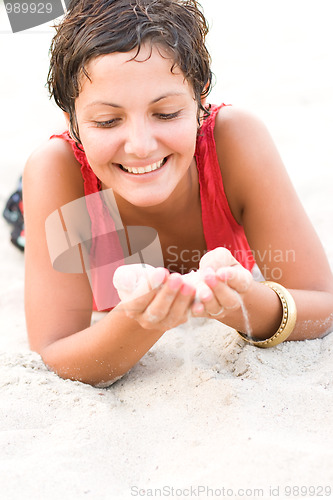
x=226, y=278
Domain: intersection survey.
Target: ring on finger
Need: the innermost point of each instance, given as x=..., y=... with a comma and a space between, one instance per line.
x=216, y=314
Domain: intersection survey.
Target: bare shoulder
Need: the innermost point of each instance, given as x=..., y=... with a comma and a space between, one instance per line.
x=53, y=169
x=51, y=179
x=235, y=115
x=247, y=156
x=238, y=132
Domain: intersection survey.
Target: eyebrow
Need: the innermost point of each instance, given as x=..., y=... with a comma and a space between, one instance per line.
x=114, y=105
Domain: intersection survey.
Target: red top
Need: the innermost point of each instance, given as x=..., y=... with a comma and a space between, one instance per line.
x=219, y=226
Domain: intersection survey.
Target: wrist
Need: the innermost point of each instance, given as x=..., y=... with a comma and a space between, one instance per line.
x=259, y=313
x=288, y=319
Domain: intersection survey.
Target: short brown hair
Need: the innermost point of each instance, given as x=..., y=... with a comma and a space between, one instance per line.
x=92, y=28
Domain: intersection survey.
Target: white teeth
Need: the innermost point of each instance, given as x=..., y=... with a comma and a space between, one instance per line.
x=144, y=170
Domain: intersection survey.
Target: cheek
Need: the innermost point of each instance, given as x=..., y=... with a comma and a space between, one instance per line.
x=183, y=139
x=99, y=147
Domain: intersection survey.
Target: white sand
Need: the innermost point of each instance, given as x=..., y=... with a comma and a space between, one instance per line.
x=201, y=408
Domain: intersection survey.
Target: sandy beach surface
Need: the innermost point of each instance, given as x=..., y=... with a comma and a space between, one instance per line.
x=201, y=415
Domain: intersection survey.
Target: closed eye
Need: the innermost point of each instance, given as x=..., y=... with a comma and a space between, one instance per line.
x=114, y=121
x=107, y=124
x=167, y=116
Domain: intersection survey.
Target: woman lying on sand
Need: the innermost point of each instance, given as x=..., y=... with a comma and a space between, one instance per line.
x=132, y=77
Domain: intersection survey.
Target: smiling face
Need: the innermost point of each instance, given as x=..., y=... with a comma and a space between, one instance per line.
x=138, y=124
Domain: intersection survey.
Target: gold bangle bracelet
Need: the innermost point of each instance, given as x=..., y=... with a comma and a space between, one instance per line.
x=289, y=316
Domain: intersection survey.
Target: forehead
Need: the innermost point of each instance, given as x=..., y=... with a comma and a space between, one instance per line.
x=151, y=66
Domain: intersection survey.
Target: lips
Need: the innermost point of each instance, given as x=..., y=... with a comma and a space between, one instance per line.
x=143, y=170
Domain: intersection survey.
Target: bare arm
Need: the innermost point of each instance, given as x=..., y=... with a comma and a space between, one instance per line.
x=286, y=247
x=59, y=305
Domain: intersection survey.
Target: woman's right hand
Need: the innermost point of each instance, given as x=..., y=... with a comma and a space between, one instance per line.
x=153, y=297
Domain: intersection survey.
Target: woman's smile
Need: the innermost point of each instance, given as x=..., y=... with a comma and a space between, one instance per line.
x=139, y=170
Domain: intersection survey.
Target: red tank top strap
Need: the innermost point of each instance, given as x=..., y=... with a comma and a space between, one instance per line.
x=91, y=183
x=219, y=225
x=106, y=253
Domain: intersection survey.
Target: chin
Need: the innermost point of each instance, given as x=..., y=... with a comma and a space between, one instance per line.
x=148, y=202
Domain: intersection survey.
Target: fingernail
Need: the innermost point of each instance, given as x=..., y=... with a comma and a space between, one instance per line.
x=174, y=281
x=224, y=274
x=207, y=271
x=206, y=295
x=158, y=277
x=186, y=289
x=211, y=280
x=197, y=308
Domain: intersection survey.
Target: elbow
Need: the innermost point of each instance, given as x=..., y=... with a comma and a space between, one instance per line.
x=94, y=373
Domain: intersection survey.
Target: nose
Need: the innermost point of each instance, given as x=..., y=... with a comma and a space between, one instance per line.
x=140, y=140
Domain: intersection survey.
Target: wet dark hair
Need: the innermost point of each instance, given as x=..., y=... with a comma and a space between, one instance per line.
x=92, y=28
